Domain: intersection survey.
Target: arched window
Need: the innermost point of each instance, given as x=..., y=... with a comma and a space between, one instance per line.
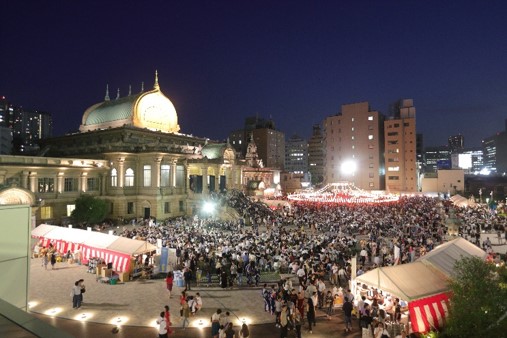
x=114, y=177
x=147, y=175
x=129, y=177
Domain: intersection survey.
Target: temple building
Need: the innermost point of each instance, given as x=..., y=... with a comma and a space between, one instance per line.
x=129, y=152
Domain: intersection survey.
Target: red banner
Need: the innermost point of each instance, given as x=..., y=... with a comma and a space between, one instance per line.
x=428, y=313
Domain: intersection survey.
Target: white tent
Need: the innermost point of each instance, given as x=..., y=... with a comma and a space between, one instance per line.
x=407, y=281
x=445, y=256
x=112, y=249
x=42, y=229
x=132, y=246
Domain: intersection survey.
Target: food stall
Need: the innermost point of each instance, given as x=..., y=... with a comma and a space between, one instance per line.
x=115, y=252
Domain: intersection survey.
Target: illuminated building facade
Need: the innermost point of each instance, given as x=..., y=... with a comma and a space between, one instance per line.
x=354, y=147
x=400, y=149
x=129, y=152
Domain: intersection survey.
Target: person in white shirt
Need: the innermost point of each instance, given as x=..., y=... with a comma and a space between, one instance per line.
x=162, y=326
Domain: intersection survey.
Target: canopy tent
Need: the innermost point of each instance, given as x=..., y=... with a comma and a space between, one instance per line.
x=406, y=281
x=112, y=249
x=445, y=256
x=135, y=247
x=424, y=283
x=42, y=229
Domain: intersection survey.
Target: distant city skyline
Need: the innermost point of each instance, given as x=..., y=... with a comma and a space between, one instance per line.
x=296, y=61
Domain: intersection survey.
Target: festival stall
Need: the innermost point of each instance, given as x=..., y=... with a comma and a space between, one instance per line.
x=423, y=287
x=114, y=250
x=423, y=283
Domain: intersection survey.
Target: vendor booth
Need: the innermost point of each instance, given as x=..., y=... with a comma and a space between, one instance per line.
x=115, y=251
x=423, y=284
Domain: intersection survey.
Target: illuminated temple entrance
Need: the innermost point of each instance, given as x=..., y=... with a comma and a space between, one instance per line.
x=342, y=192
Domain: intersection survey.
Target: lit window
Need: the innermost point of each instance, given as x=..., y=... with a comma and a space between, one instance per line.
x=393, y=168
x=46, y=212
x=129, y=177
x=70, y=208
x=165, y=171
x=370, y=118
x=114, y=178
x=46, y=184
x=370, y=137
x=147, y=175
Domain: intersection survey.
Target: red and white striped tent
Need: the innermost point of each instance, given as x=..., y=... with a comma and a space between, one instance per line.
x=112, y=249
x=424, y=283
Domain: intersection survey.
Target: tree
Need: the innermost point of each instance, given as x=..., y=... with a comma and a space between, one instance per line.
x=478, y=300
x=89, y=210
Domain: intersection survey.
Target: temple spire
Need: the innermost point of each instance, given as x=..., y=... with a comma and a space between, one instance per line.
x=106, y=98
x=118, y=94
x=130, y=90
x=156, y=86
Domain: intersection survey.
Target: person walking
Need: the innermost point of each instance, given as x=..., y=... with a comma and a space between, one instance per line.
x=186, y=314
x=215, y=323
x=187, y=275
x=347, y=311
x=284, y=322
x=53, y=260
x=298, y=321
x=310, y=314
x=162, y=326
x=169, y=280
x=76, y=295
x=83, y=288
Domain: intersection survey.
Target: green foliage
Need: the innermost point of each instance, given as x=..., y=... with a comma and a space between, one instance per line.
x=478, y=301
x=89, y=210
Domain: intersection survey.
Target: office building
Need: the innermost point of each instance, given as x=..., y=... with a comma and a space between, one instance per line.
x=296, y=155
x=400, y=149
x=316, y=156
x=354, y=147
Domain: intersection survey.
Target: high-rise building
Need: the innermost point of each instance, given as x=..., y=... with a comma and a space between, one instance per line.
x=400, y=149
x=316, y=155
x=296, y=155
x=28, y=127
x=456, y=143
x=354, y=147
x=435, y=158
x=494, y=150
x=270, y=142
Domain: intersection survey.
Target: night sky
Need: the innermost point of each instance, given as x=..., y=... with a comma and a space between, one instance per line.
x=296, y=61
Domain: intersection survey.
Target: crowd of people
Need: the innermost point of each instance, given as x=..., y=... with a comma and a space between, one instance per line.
x=314, y=241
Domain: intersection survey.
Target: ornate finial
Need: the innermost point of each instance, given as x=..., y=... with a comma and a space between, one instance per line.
x=142, y=86
x=155, y=86
x=107, y=93
x=118, y=94
x=130, y=90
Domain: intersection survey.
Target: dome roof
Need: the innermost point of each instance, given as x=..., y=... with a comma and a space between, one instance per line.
x=151, y=110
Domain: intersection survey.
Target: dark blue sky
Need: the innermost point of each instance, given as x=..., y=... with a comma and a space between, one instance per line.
x=297, y=61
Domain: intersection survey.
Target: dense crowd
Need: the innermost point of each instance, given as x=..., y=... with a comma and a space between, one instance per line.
x=314, y=235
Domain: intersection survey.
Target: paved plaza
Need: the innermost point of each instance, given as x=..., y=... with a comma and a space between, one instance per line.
x=135, y=306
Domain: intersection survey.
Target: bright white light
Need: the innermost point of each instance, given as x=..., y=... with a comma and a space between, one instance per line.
x=348, y=167
x=209, y=207
x=32, y=304
x=84, y=316
x=244, y=320
x=484, y=171
x=200, y=323
x=119, y=320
